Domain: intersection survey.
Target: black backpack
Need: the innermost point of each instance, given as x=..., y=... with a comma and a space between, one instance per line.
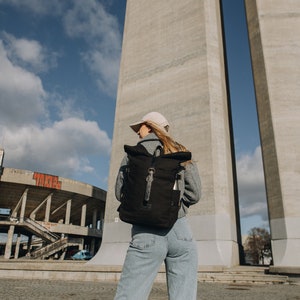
x=150, y=195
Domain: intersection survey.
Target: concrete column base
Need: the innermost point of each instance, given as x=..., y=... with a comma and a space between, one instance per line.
x=286, y=253
x=286, y=241
x=110, y=254
x=116, y=237
x=211, y=252
x=218, y=253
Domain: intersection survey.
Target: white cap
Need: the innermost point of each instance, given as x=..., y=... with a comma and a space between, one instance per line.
x=154, y=117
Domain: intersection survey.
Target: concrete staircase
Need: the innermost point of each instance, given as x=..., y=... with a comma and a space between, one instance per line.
x=40, y=230
x=242, y=275
x=33, y=227
x=54, y=243
x=50, y=249
x=82, y=271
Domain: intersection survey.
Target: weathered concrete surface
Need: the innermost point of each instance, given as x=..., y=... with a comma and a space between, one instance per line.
x=172, y=62
x=274, y=29
x=23, y=289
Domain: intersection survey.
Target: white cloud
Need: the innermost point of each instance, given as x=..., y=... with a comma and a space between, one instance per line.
x=29, y=54
x=90, y=21
x=106, y=70
x=22, y=96
x=82, y=19
x=62, y=148
x=65, y=107
x=30, y=138
x=251, y=185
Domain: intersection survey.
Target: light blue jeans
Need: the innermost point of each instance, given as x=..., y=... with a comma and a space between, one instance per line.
x=148, y=249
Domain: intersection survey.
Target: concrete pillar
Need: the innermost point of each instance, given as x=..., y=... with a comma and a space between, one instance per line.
x=83, y=215
x=101, y=225
x=47, y=200
x=274, y=29
x=23, y=206
x=29, y=245
x=81, y=245
x=9, y=242
x=82, y=223
x=11, y=230
x=95, y=212
x=68, y=211
x=48, y=208
x=94, y=225
x=17, y=248
x=172, y=62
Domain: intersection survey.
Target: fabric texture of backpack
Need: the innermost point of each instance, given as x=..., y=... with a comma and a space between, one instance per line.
x=150, y=195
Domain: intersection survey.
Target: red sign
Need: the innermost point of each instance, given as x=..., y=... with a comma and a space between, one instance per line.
x=48, y=181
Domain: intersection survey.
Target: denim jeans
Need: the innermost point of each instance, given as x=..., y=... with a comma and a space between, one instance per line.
x=148, y=249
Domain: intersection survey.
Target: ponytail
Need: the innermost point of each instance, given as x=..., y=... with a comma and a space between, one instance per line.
x=169, y=144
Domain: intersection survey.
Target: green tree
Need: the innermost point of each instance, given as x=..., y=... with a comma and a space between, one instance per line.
x=258, y=244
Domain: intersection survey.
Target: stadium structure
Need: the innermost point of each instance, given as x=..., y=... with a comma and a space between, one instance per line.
x=45, y=216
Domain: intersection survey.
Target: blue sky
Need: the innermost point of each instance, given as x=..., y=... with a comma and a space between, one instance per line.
x=59, y=63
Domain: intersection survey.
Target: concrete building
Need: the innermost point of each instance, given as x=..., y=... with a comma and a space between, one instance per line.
x=55, y=214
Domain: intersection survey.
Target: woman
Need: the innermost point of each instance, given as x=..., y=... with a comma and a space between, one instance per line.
x=150, y=246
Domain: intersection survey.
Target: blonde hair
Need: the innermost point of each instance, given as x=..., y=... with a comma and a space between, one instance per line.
x=169, y=144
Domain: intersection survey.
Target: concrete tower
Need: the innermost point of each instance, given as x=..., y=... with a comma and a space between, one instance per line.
x=172, y=62
x=274, y=30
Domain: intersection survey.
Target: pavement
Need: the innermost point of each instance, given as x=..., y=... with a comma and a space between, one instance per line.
x=84, y=290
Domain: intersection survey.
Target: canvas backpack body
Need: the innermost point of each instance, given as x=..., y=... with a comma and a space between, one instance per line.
x=149, y=195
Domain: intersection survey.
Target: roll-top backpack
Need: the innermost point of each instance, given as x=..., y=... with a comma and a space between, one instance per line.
x=150, y=195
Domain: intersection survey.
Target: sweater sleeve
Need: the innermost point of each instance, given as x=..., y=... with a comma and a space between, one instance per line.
x=192, y=185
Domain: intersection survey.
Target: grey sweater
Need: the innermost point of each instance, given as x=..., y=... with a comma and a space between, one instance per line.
x=189, y=183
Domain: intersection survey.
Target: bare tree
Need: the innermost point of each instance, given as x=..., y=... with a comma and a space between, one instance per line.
x=258, y=245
